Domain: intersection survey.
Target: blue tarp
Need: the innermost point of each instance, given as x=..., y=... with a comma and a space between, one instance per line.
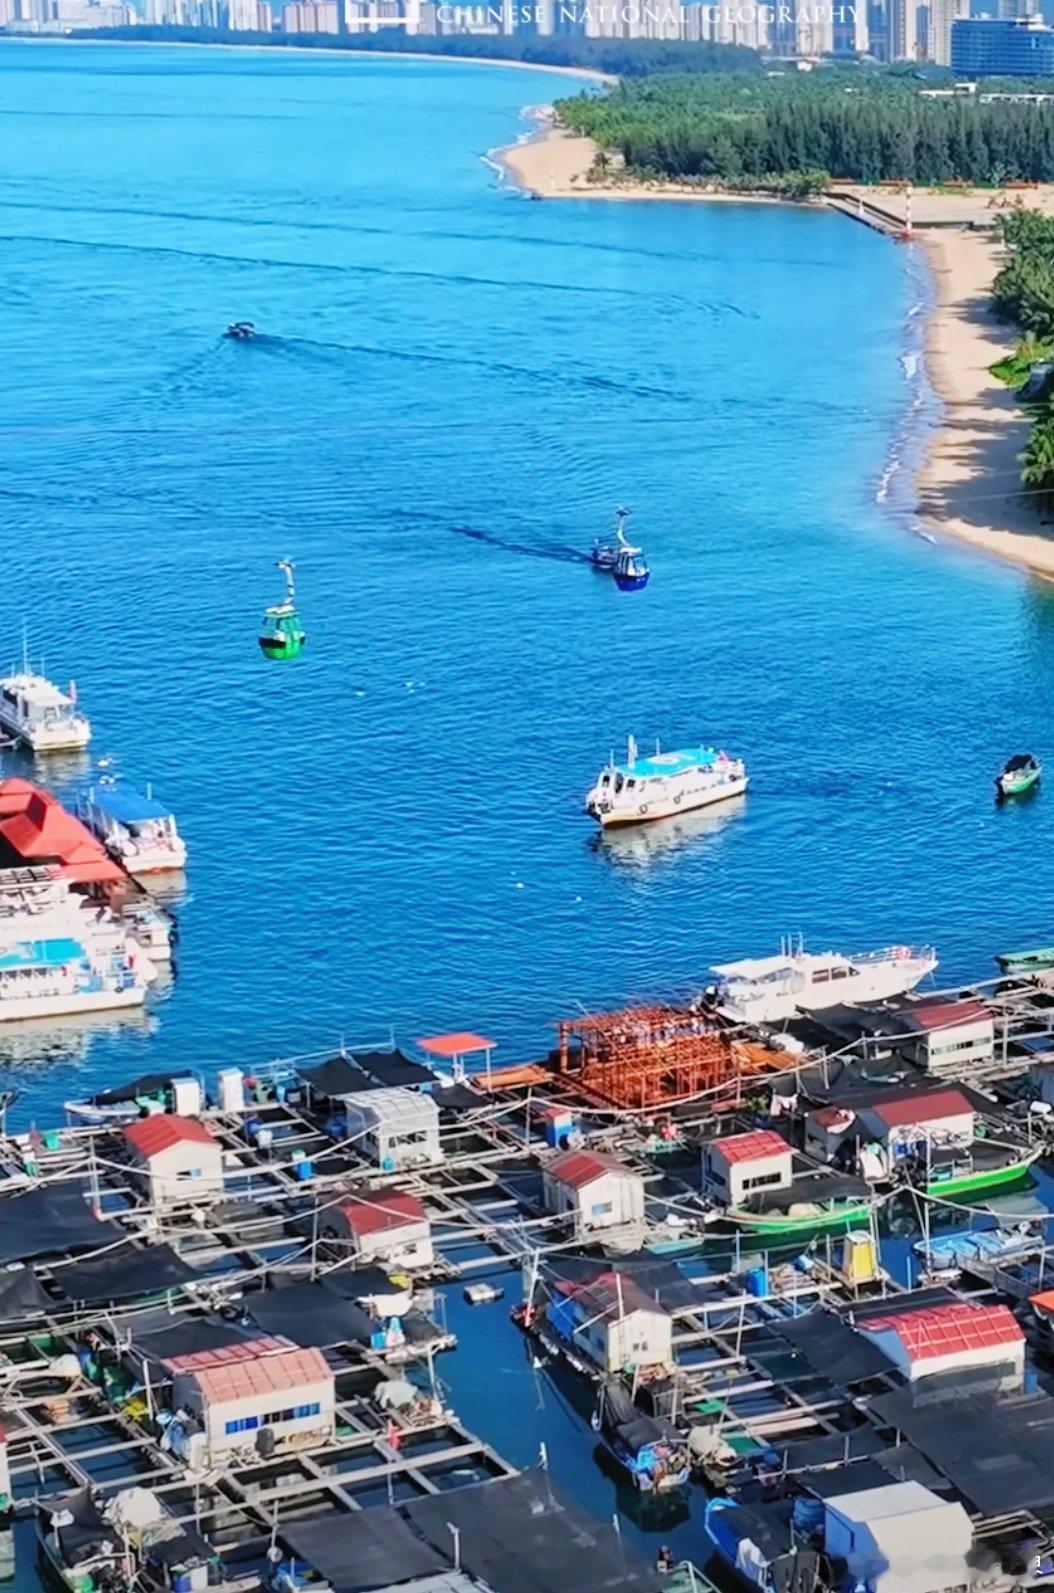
x=126, y=805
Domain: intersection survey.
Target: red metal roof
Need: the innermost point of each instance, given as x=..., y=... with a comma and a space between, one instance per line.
x=832, y=1116
x=38, y=829
x=151, y=1135
x=382, y=1211
x=922, y=1107
x=946, y=1014
x=610, y=1295
x=751, y=1147
x=460, y=1043
x=256, y=1367
x=948, y=1329
x=581, y=1167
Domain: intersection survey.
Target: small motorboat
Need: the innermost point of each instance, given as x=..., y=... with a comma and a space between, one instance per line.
x=241, y=331
x=620, y=559
x=1018, y=775
x=281, y=635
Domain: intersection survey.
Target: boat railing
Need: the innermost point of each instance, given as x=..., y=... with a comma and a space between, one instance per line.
x=869, y=959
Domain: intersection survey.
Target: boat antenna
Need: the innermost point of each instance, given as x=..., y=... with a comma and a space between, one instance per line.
x=25, y=649
x=621, y=516
x=287, y=567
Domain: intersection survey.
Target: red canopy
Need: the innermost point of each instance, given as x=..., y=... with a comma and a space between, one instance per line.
x=37, y=828
x=460, y=1043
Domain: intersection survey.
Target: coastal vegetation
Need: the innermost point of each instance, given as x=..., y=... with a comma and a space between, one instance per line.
x=1024, y=293
x=627, y=58
x=867, y=125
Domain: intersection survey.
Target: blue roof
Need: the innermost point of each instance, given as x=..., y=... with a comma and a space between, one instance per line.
x=127, y=805
x=41, y=954
x=664, y=763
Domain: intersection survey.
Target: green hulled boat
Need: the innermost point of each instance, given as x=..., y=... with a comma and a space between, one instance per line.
x=1027, y=961
x=983, y=1169
x=815, y=1203
x=281, y=634
x=1018, y=775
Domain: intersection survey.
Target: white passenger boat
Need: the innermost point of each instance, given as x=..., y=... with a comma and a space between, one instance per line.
x=57, y=957
x=773, y=989
x=34, y=711
x=656, y=787
x=137, y=830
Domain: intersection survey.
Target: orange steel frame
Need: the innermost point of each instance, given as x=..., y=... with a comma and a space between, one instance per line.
x=646, y=1057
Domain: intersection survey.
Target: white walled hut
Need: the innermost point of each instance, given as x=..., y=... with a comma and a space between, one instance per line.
x=900, y=1539
x=395, y=1128
x=180, y=1158
x=738, y=1165
x=956, y=1336
x=598, y=1190
x=947, y=1036
x=612, y=1321
x=386, y=1225
x=265, y=1384
x=905, y=1122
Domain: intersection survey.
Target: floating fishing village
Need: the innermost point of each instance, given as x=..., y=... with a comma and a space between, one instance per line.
x=778, y=1240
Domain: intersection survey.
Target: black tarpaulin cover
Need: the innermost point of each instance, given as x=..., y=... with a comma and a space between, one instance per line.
x=995, y=1448
x=124, y=1274
x=162, y=1335
x=662, y=1280
x=392, y=1069
x=21, y=1295
x=336, y=1078
x=831, y=1346
x=54, y=1220
x=364, y=1549
x=524, y=1535
x=148, y=1084
x=312, y=1315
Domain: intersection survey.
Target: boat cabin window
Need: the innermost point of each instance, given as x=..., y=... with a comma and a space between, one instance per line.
x=630, y=785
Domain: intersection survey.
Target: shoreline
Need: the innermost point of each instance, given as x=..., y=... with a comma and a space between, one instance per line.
x=587, y=72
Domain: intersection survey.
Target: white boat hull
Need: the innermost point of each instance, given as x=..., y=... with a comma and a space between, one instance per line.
x=668, y=807
x=43, y=740
x=69, y=1002
x=167, y=860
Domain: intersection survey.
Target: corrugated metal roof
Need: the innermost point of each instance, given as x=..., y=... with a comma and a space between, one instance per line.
x=948, y=1329
x=578, y=1168
x=377, y=1213
x=922, y=1107
x=763, y=1142
x=945, y=1014
x=260, y=1366
x=151, y=1135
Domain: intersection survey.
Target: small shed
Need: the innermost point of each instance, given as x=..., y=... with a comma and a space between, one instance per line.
x=614, y=1322
x=738, y=1165
x=827, y=1128
x=905, y=1122
x=261, y=1385
x=900, y=1539
x=389, y=1225
x=598, y=1190
x=181, y=1159
x=948, y=1036
x=395, y=1128
x=955, y=1336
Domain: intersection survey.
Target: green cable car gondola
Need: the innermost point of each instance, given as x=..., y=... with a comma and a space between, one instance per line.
x=281, y=635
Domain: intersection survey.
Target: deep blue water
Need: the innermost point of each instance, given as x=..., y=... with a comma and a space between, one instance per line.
x=455, y=388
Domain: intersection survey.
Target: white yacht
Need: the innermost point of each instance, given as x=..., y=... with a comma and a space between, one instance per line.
x=773, y=989
x=656, y=787
x=58, y=956
x=138, y=831
x=34, y=711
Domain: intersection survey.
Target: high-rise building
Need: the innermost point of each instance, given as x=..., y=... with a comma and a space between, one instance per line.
x=243, y=16
x=903, y=30
x=1002, y=47
x=942, y=13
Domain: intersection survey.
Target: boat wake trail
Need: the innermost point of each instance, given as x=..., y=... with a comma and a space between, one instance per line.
x=539, y=550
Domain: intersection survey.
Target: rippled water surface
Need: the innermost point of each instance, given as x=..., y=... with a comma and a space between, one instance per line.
x=453, y=390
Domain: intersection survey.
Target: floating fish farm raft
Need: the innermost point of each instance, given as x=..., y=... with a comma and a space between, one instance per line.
x=766, y=1255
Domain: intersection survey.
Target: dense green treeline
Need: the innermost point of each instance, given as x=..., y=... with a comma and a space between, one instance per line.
x=867, y=125
x=630, y=58
x=1024, y=292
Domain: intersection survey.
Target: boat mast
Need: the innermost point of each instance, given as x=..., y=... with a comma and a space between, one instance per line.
x=621, y=516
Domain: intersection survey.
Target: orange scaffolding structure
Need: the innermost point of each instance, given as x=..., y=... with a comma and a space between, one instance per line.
x=643, y=1058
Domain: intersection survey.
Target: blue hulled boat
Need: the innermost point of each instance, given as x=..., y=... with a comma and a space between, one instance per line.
x=619, y=559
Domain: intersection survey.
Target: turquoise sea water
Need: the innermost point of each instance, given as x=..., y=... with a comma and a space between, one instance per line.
x=454, y=390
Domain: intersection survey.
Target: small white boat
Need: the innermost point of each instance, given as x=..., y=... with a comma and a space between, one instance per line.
x=657, y=787
x=34, y=711
x=773, y=989
x=482, y=1293
x=137, y=830
x=56, y=958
